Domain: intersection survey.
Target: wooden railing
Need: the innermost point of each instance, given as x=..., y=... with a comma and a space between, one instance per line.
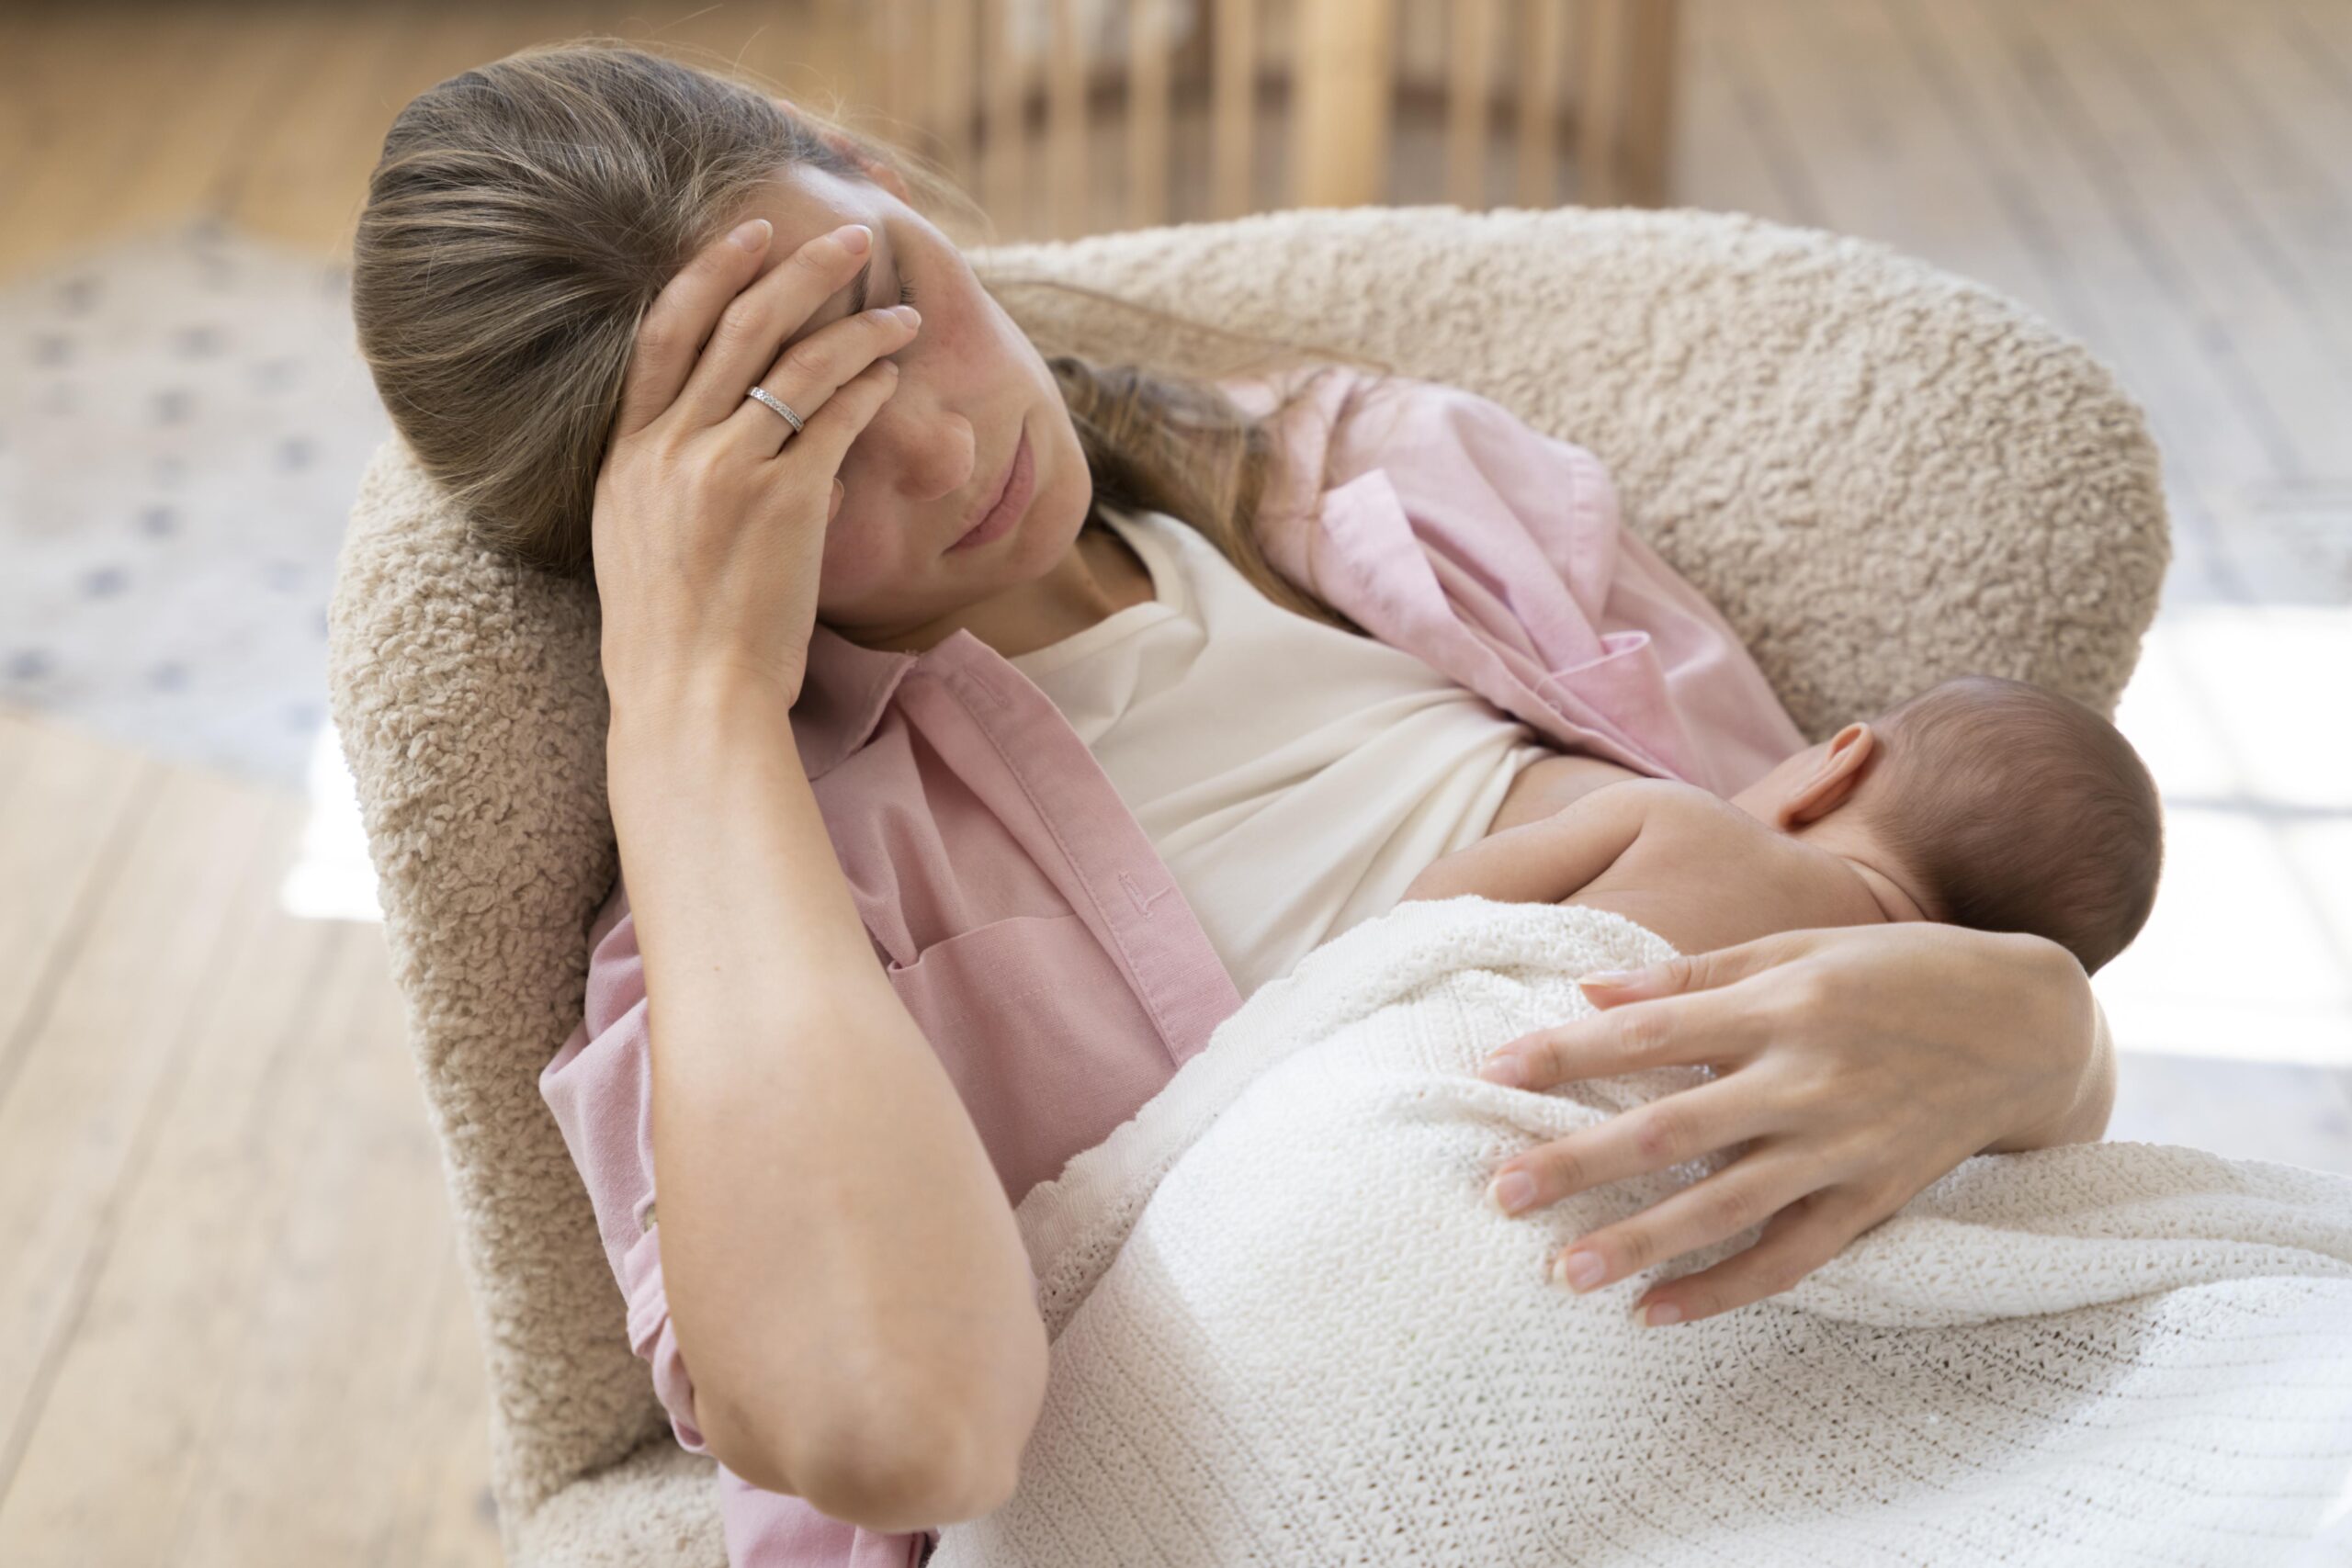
x=1017, y=99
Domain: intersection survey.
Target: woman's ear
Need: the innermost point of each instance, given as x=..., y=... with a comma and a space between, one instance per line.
x=1831, y=783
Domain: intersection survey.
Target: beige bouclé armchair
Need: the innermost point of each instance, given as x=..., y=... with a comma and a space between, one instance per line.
x=1883, y=474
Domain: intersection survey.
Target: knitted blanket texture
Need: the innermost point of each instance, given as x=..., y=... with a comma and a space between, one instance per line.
x=1288, y=1330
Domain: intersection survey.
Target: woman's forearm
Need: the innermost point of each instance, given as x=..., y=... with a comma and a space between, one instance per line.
x=846, y=1280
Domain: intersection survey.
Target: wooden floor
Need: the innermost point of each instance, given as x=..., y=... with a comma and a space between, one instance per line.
x=231, y=1329
x=235, y=1329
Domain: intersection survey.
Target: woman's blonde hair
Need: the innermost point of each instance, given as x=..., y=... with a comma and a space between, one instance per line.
x=525, y=213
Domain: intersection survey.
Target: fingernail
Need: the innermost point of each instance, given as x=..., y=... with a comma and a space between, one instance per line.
x=1578, y=1268
x=751, y=235
x=1661, y=1313
x=855, y=238
x=1508, y=1071
x=1607, y=977
x=1511, y=1191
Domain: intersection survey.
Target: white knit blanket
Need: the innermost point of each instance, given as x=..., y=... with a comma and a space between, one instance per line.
x=1287, y=1330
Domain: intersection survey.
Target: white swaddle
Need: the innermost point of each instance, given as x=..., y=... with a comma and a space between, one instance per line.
x=1287, y=1329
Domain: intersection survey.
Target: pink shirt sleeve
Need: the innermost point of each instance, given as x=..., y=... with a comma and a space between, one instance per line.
x=600, y=1088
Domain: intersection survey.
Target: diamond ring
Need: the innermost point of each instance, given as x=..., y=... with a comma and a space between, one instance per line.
x=764, y=395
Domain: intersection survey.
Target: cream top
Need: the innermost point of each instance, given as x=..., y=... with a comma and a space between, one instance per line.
x=1292, y=776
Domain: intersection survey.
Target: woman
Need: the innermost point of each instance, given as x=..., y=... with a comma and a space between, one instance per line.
x=635, y=314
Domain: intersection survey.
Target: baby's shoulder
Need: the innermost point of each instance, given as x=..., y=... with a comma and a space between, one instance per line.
x=1684, y=817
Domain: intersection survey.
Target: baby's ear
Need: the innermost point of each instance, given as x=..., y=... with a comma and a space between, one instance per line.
x=1831, y=783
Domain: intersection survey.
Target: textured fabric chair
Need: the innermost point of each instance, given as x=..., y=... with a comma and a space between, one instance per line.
x=1884, y=475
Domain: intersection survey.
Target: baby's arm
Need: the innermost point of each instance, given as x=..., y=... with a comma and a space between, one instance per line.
x=1545, y=861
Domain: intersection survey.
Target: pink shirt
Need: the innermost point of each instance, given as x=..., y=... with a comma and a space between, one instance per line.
x=1023, y=918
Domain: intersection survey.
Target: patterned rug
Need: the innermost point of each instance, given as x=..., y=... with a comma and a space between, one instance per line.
x=183, y=422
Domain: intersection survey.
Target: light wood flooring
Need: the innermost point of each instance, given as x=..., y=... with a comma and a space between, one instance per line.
x=231, y=1326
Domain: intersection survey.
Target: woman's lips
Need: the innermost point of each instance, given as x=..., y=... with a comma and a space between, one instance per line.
x=1010, y=506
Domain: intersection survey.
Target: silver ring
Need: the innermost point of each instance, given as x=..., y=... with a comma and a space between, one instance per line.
x=778, y=404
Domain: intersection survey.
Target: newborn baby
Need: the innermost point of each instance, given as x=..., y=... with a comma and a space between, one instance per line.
x=1981, y=802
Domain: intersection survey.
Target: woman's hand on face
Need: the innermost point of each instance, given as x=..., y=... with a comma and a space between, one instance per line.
x=710, y=511
x=1864, y=1062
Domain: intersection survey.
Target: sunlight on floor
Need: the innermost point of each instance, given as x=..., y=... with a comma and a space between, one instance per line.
x=332, y=877
x=2248, y=956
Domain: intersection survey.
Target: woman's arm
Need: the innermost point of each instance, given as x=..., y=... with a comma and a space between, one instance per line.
x=844, y=1275
x=1859, y=1064
x=2084, y=1121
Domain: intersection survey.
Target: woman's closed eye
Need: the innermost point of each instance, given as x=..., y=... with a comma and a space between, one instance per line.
x=906, y=297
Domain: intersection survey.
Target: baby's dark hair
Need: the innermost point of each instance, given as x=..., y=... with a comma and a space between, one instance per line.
x=2019, y=810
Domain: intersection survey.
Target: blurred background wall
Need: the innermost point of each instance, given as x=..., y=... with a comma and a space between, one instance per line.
x=230, y=1324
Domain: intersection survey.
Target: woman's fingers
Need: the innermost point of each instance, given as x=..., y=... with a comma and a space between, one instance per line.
x=1679, y=1011
x=1696, y=971
x=674, y=328
x=1737, y=1198
x=753, y=326
x=1666, y=1132
x=1631, y=1038
x=1799, y=1239
x=807, y=375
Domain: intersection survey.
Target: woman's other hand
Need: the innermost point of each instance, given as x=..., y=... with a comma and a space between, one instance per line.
x=1864, y=1062
x=711, y=513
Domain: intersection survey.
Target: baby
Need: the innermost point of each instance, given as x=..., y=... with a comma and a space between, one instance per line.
x=1981, y=802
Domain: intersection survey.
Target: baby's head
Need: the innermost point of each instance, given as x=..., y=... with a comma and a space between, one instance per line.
x=1989, y=802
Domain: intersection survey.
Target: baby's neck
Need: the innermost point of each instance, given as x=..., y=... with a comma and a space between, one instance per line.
x=1863, y=856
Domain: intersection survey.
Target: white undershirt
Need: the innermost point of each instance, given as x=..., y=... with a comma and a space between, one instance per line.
x=1295, y=777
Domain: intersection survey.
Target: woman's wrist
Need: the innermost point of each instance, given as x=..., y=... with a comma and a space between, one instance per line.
x=2082, y=1118
x=693, y=698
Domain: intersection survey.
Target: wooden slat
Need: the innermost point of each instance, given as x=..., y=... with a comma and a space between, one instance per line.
x=1004, y=138
x=894, y=31
x=1653, y=78
x=1541, y=39
x=1470, y=64
x=1601, y=53
x=1341, y=72
x=1233, y=109
x=1149, y=71
x=955, y=43
x=1066, y=128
